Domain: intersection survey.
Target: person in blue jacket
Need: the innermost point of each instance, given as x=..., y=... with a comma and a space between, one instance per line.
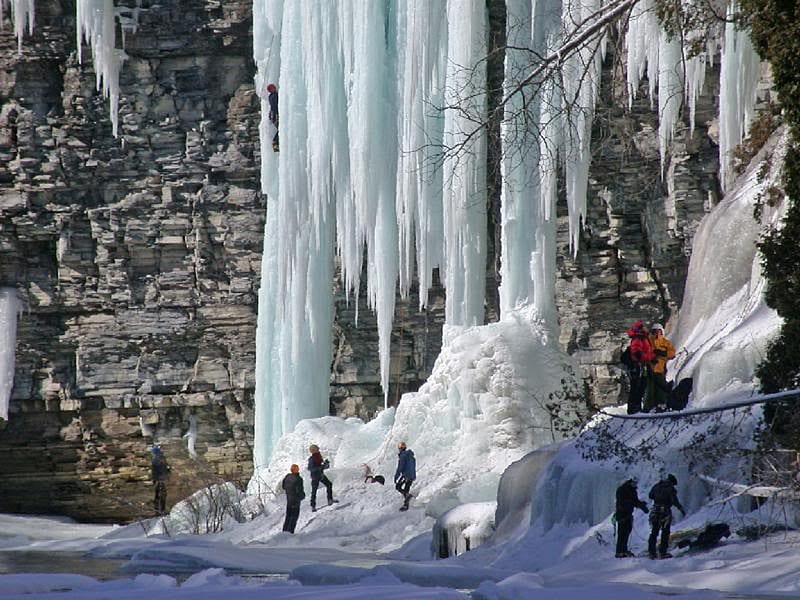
x=405, y=474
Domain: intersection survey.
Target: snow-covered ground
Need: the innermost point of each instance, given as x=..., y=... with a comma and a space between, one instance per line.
x=567, y=562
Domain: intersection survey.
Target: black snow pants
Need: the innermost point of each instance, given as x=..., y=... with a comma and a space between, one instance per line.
x=160, y=498
x=660, y=521
x=292, y=513
x=315, y=485
x=624, y=528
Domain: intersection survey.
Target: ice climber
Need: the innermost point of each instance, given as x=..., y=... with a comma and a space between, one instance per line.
x=627, y=500
x=658, y=389
x=405, y=474
x=664, y=497
x=293, y=486
x=316, y=467
x=272, y=89
x=159, y=472
x=636, y=358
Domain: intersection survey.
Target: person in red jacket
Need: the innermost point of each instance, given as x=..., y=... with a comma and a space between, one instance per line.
x=636, y=358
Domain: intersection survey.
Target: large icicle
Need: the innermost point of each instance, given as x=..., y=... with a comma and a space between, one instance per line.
x=96, y=25
x=465, y=164
x=581, y=76
x=531, y=137
x=22, y=14
x=422, y=55
x=739, y=74
x=295, y=317
x=9, y=307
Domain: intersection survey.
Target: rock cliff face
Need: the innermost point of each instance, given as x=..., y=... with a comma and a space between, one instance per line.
x=137, y=259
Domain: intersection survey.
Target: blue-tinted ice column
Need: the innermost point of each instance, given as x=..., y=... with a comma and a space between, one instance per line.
x=9, y=307
x=422, y=56
x=465, y=165
x=295, y=300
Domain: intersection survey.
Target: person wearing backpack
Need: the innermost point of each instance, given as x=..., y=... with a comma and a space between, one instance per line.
x=627, y=500
x=405, y=474
x=664, y=497
x=636, y=358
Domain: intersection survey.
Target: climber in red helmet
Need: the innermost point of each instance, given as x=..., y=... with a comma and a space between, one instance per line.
x=273, y=111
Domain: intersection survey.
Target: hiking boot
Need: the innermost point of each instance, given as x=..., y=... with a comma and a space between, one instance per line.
x=619, y=555
x=665, y=555
x=313, y=509
x=332, y=502
x=629, y=554
x=404, y=508
x=651, y=556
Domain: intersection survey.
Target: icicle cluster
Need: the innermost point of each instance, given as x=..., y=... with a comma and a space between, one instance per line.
x=679, y=74
x=96, y=24
x=22, y=13
x=9, y=307
x=361, y=91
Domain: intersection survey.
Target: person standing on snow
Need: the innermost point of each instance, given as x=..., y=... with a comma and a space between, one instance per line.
x=664, y=497
x=272, y=98
x=658, y=389
x=293, y=486
x=316, y=467
x=636, y=358
x=627, y=500
x=159, y=473
x=406, y=473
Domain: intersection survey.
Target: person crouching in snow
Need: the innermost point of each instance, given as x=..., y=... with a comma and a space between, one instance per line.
x=293, y=486
x=640, y=355
x=316, y=467
x=406, y=473
x=627, y=500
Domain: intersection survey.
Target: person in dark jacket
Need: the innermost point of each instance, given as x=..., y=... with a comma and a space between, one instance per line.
x=316, y=467
x=639, y=356
x=627, y=500
x=664, y=497
x=293, y=486
x=272, y=98
x=159, y=473
x=405, y=474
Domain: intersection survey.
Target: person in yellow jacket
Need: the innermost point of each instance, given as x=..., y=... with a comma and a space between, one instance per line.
x=658, y=388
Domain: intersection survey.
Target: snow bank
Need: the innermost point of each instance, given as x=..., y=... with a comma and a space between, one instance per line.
x=482, y=408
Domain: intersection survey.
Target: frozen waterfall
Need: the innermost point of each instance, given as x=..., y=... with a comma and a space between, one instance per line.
x=9, y=307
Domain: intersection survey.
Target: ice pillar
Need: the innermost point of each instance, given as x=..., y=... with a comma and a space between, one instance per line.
x=9, y=307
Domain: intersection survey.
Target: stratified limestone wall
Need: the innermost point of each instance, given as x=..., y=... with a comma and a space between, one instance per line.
x=136, y=259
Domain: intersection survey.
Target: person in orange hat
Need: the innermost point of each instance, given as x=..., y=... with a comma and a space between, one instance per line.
x=293, y=486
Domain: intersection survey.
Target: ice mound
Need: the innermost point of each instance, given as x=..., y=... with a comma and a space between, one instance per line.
x=463, y=528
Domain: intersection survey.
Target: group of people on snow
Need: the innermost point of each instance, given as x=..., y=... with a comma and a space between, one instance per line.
x=292, y=483
x=646, y=360
x=664, y=496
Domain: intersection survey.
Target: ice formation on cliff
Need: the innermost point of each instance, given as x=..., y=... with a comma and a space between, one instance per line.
x=9, y=307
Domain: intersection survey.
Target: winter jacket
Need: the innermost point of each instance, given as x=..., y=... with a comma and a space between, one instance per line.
x=159, y=469
x=663, y=350
x=663, y=494
x=293, y=486
x=627, y=500
x=640, y=349
x=406, y=466
x=316, y=466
